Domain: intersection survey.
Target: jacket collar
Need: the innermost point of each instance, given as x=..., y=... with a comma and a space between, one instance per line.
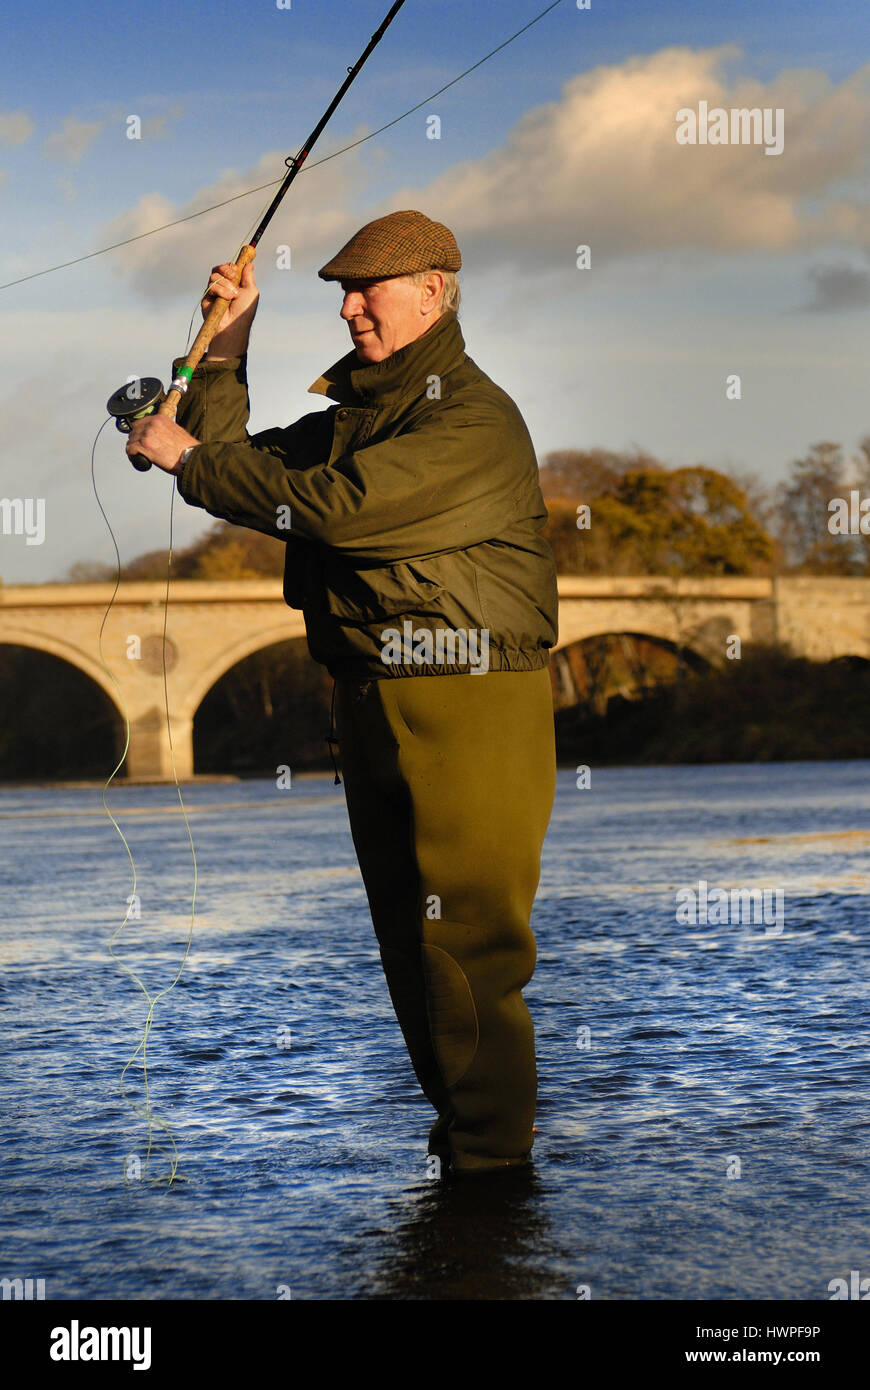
x=404, y=373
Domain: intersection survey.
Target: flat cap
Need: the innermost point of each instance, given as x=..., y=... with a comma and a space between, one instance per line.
x=399, y=244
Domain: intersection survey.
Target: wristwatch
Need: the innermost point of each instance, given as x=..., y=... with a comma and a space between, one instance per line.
x=184, y=456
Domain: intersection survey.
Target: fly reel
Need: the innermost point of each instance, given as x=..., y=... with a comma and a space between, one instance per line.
x=134, y=401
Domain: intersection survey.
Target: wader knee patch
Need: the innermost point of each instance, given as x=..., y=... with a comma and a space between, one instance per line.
x=452, y=1015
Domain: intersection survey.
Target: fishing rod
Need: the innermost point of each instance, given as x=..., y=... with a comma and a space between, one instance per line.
x=145, y=395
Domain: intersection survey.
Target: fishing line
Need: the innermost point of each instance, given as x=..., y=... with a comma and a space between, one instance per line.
x=139, y=398
x=213, y=207
x=150, y=1117
x=186, y=346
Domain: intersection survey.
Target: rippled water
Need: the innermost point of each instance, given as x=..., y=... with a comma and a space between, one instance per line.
x=301, y=1134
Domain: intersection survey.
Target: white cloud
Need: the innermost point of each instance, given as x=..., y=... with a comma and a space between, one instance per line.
x=315, y=221
x=157, y=127
x=15, y=127
x=73, y=138
x=602, y=166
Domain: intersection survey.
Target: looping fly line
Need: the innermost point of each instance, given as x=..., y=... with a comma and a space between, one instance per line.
x=236, y=197
x=146, y=1111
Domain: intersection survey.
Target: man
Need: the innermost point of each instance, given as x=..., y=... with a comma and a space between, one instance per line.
x=416, y=553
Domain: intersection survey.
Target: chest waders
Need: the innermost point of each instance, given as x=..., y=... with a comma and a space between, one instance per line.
x=450, y=783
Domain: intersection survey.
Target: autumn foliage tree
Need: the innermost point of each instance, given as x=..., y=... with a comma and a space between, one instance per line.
x=224, y=552
x=627, y=514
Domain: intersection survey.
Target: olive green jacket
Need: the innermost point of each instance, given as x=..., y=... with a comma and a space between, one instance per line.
x=409, y=506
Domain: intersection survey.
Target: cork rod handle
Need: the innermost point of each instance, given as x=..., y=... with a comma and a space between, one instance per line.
x=210, y=326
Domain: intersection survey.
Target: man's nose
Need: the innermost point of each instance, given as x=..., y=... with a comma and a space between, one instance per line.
x=353, y=306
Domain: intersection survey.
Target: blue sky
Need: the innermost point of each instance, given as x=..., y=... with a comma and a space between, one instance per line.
x=704, y=262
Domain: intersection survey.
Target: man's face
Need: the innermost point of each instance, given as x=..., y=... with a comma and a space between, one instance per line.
x=385, y=315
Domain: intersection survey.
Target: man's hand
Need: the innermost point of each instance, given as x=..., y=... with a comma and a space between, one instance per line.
x=231, y=339
x=160, y=440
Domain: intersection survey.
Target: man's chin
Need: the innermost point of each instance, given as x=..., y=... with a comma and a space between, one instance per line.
x=369, y=352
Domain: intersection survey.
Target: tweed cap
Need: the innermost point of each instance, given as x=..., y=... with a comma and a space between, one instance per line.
x=399, y=244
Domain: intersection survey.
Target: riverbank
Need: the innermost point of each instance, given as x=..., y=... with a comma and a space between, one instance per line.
x=766, y=707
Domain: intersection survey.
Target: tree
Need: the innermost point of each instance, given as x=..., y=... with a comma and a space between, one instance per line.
x=651, y=520
x=224, y=552
x=89, y=572
x=803, y=514
x=584, y=474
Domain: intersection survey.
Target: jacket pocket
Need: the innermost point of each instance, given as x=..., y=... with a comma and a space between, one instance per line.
x=368, y=595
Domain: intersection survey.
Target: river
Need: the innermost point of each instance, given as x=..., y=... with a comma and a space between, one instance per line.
x=703, y=1126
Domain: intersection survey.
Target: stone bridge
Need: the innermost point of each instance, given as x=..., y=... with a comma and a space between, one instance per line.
x=212, y=626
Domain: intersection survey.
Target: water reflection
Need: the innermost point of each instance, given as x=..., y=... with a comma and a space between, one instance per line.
x=487, y=1236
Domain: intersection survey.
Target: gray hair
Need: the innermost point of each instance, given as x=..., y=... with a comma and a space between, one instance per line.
x=450, y=295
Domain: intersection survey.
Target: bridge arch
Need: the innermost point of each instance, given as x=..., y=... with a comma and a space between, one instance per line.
x=207, y=678
x=608, y=662
x=269, y=709
x=693, y=655
x=63, y=721
x=67, y=652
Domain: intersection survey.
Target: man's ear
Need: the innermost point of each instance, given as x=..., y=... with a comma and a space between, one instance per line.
x=433, y=287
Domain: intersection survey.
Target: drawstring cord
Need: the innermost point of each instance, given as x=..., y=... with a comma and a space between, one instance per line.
x=331, y=739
